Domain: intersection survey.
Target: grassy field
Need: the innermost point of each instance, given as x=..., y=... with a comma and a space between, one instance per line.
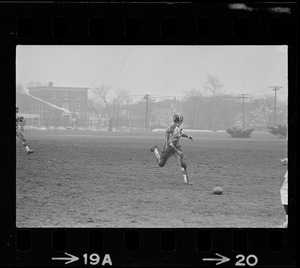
x=102, y=179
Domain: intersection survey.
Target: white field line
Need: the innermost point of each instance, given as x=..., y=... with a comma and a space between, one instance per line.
x=99, y=136
x=162, y=137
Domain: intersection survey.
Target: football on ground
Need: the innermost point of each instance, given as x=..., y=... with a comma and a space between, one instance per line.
x=218, y=190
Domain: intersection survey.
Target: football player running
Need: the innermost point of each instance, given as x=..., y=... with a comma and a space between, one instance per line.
x=19, y=130
x=172, y=147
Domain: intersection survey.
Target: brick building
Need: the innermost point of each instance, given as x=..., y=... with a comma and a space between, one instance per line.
x=73, y=99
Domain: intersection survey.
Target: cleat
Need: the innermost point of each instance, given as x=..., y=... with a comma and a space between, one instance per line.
x=186, y=181
x=30, y=152
x=152, y=149
x=185, y=176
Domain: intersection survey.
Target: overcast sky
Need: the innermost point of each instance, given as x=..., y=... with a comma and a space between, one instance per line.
x=156, y=70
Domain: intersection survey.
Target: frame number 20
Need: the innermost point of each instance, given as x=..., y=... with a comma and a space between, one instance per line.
x=250, y=260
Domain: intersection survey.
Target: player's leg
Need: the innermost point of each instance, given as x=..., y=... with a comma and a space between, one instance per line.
x=285, y=206
x=183, y=168
x=284, y=200
x=24, y=142
x=163, y=157
x=182, y=164
x=156, y=153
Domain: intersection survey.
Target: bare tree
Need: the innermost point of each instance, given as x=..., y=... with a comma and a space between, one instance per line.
x=122, y=95
x=100, y=93
x=282, y=112
x=262, y=110
x=226, y=108
x=213, y=86
x=98, y=108
x=194, y=108
x=105, y=109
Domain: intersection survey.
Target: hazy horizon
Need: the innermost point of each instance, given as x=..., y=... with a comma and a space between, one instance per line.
x=156, y=70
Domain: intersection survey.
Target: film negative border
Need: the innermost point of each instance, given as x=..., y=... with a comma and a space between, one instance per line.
x=151, y=24
x=231, y=24
x=155, y=247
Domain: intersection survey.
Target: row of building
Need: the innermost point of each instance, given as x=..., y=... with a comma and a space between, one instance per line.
x=55, y=106
x=49, y=105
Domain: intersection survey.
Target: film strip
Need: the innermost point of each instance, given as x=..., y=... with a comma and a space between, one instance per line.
x=221, y=24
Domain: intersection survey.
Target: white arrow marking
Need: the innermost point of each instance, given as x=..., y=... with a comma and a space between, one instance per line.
x=222, y=260
x=70, y=259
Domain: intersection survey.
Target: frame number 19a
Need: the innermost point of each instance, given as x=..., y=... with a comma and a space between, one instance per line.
x=94, y=259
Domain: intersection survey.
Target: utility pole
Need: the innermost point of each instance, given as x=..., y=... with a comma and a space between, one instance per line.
x=118, y=115
x=147, y=97
x=243, y=96
x=111, y=119
x=151, y=100
x=275, y=88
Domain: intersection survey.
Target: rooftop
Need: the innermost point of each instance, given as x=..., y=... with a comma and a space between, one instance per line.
x=50, y=86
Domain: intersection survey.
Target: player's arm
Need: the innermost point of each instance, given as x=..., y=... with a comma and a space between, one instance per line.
x=19, y=118
x=184, y=135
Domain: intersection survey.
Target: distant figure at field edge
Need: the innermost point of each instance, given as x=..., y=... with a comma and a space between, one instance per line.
x=172, y=147
x=284, y=191
x=20, y=129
